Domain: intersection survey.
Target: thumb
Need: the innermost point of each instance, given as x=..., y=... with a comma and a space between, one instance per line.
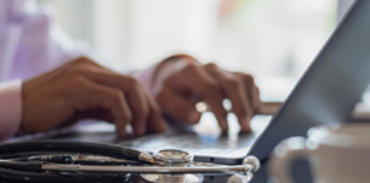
x=178, y=106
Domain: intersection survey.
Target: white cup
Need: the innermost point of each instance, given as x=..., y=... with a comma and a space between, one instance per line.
x=337, y=154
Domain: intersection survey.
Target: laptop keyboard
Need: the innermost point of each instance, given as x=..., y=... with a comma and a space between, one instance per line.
x=204, y=140
x=192, y=142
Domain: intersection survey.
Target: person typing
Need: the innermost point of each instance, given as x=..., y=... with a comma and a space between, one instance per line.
x=48, y=81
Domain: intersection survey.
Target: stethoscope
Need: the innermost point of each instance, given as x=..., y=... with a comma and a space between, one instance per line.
x=66, y=161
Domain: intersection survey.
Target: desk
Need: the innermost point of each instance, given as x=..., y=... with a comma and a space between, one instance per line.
x=106, y=134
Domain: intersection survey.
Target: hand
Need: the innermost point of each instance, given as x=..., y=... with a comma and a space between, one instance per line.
x=180, y=81
x=83, y=89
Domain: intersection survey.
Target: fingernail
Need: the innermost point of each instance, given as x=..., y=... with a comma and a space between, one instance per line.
x=162, y=126
x=224, y=125
x=246, y=127
x=139, y=133
x=121, y=132
x=194, y=117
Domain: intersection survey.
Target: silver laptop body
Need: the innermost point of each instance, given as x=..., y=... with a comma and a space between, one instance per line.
x=326, y=94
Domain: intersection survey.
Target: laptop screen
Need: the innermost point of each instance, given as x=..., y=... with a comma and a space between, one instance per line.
x=330, y=88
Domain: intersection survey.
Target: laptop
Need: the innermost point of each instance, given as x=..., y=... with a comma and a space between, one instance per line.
x=325, y=94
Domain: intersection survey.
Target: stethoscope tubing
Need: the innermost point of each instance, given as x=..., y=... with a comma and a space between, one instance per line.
x=23, y=162
x=71, y=147
x=230, y=170
x=24, y=171
x=17, y=176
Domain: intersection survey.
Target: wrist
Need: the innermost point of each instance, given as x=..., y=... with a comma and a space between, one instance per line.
x=10, y=108
x=180, y=60
x=170, y=66
x=151, y=76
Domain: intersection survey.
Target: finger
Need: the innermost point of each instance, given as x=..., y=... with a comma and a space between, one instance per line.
x=156, y=123
x=177, y=106
x=253, y=92
x=257, y=103
x=200, y=82
x=139, y=107
x=92, y=95
x=134, y=92
x=98, y=113
x=235, y=90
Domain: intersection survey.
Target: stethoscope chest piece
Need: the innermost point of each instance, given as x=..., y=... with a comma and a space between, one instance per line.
x=173, y=158
x=162, y=178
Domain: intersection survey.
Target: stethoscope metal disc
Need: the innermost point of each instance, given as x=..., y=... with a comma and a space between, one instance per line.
x=162, y=178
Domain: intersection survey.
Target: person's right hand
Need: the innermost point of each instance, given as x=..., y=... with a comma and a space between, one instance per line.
x=181, y=81
x=83, y=89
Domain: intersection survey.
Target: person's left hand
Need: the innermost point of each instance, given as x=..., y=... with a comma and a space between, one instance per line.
x=180, y=81
x=82, y=89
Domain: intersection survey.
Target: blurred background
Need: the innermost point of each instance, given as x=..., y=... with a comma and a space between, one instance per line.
x=275, y=40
